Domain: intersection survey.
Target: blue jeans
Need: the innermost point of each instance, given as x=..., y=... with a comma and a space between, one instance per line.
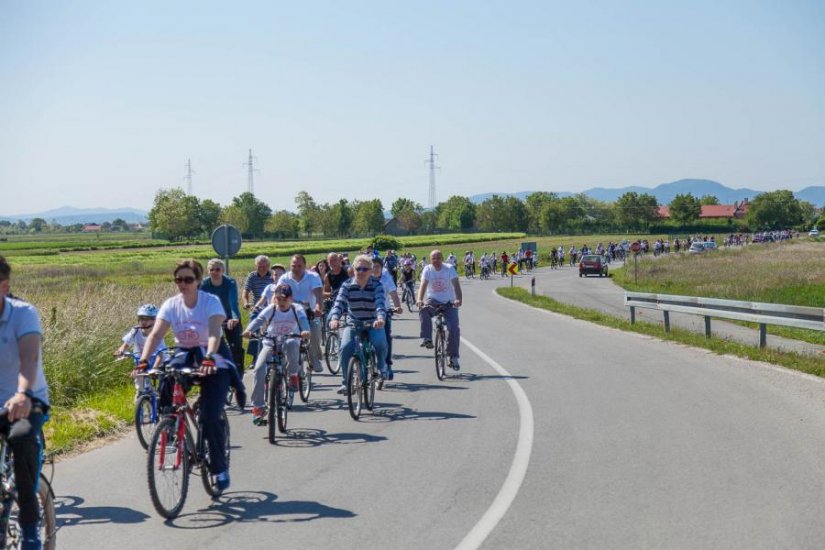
x=388, y=333
x=379, y=341
x=425, y=314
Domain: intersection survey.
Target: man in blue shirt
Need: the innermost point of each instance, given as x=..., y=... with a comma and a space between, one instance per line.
x=24, y=394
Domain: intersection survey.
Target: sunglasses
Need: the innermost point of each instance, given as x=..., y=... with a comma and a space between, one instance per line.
x=363, y=269
x=185, y=280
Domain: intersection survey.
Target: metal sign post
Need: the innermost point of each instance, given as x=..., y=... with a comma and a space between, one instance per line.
x=636, y=247
x=533, y=285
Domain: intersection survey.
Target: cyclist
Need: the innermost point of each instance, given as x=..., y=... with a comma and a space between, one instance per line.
x=505, y=263
x=334, y=278
x=224, y=287
x=390, y=294
x=279, y=320
x=391, y=264
x=307, y=290
x=469, y=264
x=195, y=318
x=440, y=286
x=269, y=292
x=408, y=276
x=362, y=300
x=136, y=338
x=25, y=395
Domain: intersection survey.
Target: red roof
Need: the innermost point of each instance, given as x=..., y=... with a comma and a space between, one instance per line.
x=714, y=210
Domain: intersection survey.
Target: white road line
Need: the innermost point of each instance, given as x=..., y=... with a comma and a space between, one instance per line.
x=518, y=469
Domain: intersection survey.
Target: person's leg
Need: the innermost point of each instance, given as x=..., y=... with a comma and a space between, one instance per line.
x=379, y=341
x=213, y=391
x=388, y=334
x=235, y=340
x=346, y=350
x=25, y=444
x=453, y=332
x=425, y=315
x=315, y=354
x=259, y=377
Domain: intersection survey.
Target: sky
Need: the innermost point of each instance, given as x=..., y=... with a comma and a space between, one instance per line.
x=102, y=102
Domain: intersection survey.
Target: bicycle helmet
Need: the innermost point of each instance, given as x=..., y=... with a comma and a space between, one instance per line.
x=147, y=310
x=408, y=262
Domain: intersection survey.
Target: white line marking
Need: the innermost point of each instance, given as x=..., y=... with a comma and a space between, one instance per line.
x=518, y=469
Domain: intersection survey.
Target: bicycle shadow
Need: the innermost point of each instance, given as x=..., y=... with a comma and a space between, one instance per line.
x=69, y=511
x=472, y=377
x=322, y=405
x=394, y=412
x=308, y=437
x=256, y=506
x=413, y=387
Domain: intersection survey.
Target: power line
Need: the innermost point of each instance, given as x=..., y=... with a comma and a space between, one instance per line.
x=250, y=164
x=188, y=176
x=431, y=200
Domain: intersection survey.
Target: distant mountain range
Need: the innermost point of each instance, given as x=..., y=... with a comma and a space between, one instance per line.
x=67, y=215
x=665, y=192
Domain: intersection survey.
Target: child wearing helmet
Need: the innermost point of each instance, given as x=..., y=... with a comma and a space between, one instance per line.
x=136, y=338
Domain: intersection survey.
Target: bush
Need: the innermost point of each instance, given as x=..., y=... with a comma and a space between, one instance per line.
x=385, y=242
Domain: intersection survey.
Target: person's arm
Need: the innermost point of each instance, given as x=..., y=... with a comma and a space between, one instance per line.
x=215, y=334
x=20, y=404
x=422, y=288
x=327, y=286
x=258, y=321
x=457, y=288
x=319, y=299
x=233, y=299
x=380, y=306
x=152, y=342
x=338, y=307
x=247, y=293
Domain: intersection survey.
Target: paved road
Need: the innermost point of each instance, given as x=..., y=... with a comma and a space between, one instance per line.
x=635, y=443
x=603, y=294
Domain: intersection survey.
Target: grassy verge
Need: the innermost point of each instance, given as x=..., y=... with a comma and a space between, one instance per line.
x=802, y=363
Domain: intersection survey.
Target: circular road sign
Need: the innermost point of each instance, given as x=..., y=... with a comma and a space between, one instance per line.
x=636, y=247
x=226, y=240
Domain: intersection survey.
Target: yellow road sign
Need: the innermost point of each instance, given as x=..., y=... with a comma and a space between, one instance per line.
x=512, y=269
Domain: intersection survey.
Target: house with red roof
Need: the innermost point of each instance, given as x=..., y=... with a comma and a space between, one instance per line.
x=737, y=211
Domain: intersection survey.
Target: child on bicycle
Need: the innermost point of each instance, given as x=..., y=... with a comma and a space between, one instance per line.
x=279, y=319
x=136, y=338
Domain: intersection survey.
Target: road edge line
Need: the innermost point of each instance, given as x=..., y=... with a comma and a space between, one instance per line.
x=518, y=468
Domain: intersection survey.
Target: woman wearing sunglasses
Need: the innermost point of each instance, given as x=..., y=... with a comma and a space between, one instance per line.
x=195, y=318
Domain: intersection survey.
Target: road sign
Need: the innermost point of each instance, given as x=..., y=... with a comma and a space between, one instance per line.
x=636, y=247
x=226, y=240
x=512, y=269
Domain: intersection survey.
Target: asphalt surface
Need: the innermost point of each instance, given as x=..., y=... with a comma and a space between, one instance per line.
x=625, y=442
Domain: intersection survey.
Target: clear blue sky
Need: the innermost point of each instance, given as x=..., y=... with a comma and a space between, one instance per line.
x=102, y=102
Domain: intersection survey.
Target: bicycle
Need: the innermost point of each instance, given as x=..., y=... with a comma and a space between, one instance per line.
x=172, y=451
x=362, y=374
x=10, y=532
x=146, y=402
x=440, y=343
x=332, y=348
x=408, y=296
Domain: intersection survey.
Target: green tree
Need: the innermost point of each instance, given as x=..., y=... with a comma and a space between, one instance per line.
x=408, y=213
x=456, y=214
x=708, y=200
x=401, y=205
x=256, y=212
x=534, y=204
x=774, y=210
x=37, y=225
x=429, y=221
x=283, y=224
x=209, y=216
x=175, y=214
x=501, y=214
x=635, y=211
x=369, y=217
x=119, y=224
x=309, y=212
x=341, y=218
x=685, y=208
x=234, y=215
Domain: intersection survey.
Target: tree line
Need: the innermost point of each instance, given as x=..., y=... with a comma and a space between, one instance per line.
x=177, y=215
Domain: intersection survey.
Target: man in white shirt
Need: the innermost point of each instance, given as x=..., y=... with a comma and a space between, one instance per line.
x=307, y=289
x=440, y=287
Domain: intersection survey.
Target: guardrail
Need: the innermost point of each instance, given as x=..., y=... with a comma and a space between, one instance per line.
x=755, y=312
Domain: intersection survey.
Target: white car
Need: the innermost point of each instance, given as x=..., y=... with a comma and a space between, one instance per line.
x=813, y=232
x=696, y=248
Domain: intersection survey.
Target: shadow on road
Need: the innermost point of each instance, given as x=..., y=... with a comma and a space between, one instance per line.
x=471, y=377
x=308, y=437
x=392, y=412
x=70, y=511
x=410, y=387
x=256, y=506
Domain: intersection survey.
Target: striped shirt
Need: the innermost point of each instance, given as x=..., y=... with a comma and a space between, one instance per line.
x=257, y=284
x=364, y=304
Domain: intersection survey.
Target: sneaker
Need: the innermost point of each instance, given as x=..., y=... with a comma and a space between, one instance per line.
x=222, y=481
x=390, y=374
x=343, y=389
x=454, y=363
x=257, y=415
x=318, y=367
x=293, y=381
x=427, y=343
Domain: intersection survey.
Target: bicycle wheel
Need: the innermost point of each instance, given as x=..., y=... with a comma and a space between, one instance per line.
x=281, y=402
x=440, y=354
x=46, y=522
x=355, y=388
x=372, y=377
x=145, y=420
x=210, y=481
x=331, y=349
x=410, y=301
x=168, y=480
x=306, y=383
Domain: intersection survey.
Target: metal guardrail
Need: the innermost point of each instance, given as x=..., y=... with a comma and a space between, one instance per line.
x=755, y=312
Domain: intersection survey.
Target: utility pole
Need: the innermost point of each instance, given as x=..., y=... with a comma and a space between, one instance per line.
x=250, y=186
x=188, y=176
x=431, y=196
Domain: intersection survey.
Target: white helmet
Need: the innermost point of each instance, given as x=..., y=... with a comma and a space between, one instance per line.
x=147, y=310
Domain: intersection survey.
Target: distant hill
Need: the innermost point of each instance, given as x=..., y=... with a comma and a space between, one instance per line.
x=666, y=192
x=68, y=215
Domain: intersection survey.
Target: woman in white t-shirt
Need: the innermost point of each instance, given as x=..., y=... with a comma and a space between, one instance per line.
x=195, y=318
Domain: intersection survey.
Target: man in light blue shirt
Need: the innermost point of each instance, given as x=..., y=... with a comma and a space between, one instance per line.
x=24, y=394
x=307, y=289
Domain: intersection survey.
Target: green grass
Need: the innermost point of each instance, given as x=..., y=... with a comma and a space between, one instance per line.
x=803, y=363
